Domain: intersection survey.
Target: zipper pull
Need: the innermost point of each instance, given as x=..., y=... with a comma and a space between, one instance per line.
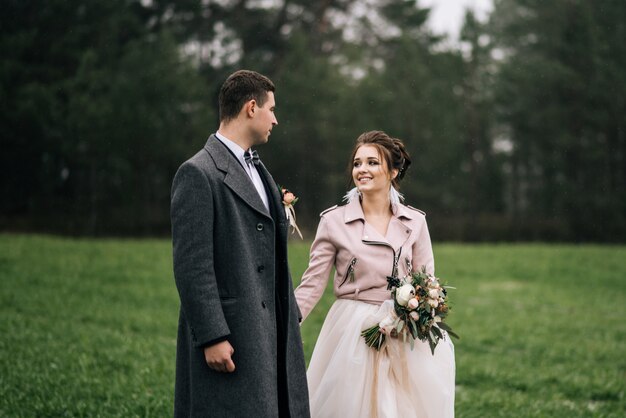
x=409, y=267
x=349, y=272
x=396, y=259
x=351, y=269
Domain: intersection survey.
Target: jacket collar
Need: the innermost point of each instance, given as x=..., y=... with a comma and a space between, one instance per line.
x=354, y=211
x=401, y=211
x=397, y=231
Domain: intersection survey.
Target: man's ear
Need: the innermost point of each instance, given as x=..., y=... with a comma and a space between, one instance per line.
x=250, y=107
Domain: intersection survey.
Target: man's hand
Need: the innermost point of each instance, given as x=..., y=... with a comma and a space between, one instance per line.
x=218, y=357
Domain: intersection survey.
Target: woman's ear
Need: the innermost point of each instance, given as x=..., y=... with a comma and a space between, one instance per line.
x=394, y=173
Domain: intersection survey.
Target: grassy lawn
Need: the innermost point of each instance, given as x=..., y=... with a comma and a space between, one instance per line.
x=88, y=327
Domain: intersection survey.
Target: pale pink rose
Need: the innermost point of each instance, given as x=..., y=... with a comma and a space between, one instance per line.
x=414, y=315
x=288, y=198
x=433, y=303
x=433, y=293
x=413, y=303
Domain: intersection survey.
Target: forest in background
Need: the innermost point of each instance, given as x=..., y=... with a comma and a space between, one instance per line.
x=516, y=133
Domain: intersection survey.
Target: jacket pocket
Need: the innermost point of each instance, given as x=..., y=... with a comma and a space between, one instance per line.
x=227, y=301
x=349, y=272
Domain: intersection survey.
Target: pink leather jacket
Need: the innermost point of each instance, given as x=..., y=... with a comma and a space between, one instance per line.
x=362, y=257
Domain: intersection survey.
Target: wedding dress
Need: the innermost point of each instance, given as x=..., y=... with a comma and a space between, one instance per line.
x=348, y=379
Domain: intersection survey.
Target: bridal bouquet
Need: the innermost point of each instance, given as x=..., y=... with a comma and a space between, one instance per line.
x=420, y=305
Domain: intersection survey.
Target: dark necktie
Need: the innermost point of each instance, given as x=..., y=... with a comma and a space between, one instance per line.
x=251, y=157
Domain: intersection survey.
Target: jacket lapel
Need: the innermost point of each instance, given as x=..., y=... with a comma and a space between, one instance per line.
x=397, y=232
x=235, y=177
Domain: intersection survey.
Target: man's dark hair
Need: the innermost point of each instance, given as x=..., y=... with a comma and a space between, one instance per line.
x=240, y=87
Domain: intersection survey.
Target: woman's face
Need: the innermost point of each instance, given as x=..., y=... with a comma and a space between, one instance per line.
x=369, y=171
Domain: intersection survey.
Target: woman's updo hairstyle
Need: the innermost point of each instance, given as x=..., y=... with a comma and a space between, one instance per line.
x=390, y=149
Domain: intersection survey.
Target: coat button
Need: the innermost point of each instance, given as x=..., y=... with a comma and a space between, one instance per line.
x=259, y=227
x=263, y=304
x=260, y=269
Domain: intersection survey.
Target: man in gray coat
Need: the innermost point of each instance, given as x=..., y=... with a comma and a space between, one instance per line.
x=239, y=350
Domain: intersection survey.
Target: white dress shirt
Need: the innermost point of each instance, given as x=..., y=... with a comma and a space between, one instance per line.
x=250, y=169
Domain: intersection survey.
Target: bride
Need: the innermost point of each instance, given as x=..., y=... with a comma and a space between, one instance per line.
x=371, y=237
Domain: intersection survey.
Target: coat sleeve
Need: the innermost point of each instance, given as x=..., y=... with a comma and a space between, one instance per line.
x=423, y=251
x=192, y=216
x=315, y=277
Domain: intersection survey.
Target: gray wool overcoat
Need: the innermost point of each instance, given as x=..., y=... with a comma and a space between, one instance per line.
x=231, y=272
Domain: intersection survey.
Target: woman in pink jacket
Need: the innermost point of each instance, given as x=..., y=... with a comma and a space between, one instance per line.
x=370, y=238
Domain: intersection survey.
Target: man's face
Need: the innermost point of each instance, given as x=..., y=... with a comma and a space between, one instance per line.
x=264, y=120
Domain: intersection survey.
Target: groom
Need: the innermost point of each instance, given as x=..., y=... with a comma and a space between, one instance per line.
x=239, y=350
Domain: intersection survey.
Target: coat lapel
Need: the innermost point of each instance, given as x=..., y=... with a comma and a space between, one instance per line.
x=275, y=200
x=235, y=177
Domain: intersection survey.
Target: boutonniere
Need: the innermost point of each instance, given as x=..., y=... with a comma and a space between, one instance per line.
x=290, y=199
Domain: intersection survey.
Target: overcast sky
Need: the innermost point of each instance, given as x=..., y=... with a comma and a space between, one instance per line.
x=447, y=15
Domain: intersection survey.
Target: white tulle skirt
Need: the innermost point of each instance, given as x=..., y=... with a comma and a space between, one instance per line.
x=349, y=379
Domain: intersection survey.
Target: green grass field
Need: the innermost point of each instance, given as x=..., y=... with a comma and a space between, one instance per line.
x=88, y=327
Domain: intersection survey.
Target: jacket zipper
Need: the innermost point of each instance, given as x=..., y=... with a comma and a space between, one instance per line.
x=396, y=258
x=409, y=267
x=349, y=272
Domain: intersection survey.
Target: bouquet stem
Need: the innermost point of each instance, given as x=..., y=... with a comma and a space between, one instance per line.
x=373, y=337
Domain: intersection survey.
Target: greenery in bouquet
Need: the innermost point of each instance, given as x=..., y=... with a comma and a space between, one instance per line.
x=420, y=307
